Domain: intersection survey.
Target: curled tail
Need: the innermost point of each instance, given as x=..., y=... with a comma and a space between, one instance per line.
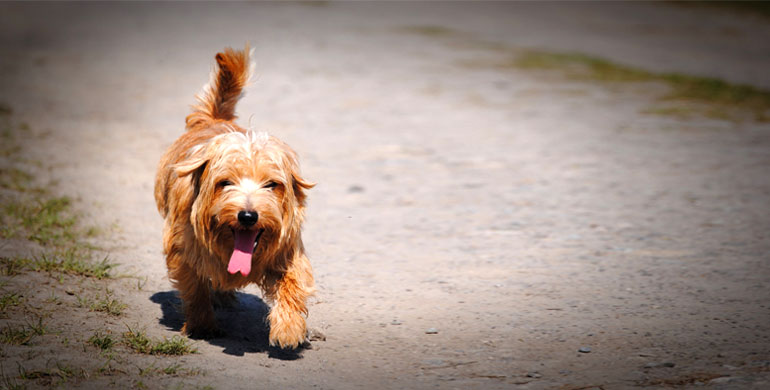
x=219, y=96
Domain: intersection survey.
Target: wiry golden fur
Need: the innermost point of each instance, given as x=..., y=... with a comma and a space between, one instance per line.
x=213, y=172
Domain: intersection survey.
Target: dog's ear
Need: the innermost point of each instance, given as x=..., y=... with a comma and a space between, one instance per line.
x=193, y=167
x=186, y=167
x=299, y=185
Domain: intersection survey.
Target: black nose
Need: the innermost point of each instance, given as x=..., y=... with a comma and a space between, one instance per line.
x=248, y=218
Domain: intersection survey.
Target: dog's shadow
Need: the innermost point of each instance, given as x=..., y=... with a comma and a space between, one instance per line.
x=244, y=326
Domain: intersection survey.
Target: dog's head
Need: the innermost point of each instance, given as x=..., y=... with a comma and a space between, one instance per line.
x=249, y=197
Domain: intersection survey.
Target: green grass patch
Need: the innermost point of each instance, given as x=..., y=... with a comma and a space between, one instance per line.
x=50, y=377
x=107, y=304
x=10, y=383
x=17, y=335
x=176, y=345
x=429, y=30
x=31, y=213
x=579, y=66
x=314, y=3
x=12, y=266
x=15, y=179
x=680, y=112
x=105, y=342
x=72, y=261
x=93, y=231
x=22, y=334
x=110, y=306
x=717, y=98
x=711, y=90
x=47, y=221
x=139, y=342
x=9, y=299
x=705, y=96
x=174, y=369
x=35, y=219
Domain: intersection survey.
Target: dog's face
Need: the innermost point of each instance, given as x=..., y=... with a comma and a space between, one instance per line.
x=249, y=197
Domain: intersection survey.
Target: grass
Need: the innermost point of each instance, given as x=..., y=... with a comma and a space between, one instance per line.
x=714, y=90
x=9, y=299
x=37, y=220
x=139, y=342
x=711, y=97
x=30, y=212
x=579, y=66
x=688, y=95
x=34, y=217
x=176, y=345
x=22, y=334
x=51, y=223
x=314, y=3
x=45, y=220
x=16, y=335
x=72, y=261
x=9, y=383
x=12, y=266
x=174, y=369
x=52, y=377
x=679, y=112
x=12, y=178
x=429, y=30
x=105, y=342
x=108, y=304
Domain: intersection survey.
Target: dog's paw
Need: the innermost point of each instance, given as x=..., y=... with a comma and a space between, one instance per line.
x=201, y=332
x=287, y=331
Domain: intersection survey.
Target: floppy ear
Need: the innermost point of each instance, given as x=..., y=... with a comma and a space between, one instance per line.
x=190, y=165
x=194, y=166
x=299, y=185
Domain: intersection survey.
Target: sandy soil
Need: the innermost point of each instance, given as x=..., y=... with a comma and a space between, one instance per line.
x=472, y=227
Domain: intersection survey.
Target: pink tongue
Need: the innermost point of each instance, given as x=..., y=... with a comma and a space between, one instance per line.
x=244, y=247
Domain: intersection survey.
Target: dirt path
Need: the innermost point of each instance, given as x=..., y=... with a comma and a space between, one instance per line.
x=519, y=215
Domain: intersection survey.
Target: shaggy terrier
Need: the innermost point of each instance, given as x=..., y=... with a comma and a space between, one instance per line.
x=233, y=202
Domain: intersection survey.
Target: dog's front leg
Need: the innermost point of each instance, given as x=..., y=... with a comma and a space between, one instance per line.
x=289, y=292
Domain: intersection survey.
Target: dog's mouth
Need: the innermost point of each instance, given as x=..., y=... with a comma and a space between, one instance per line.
x=245, y=242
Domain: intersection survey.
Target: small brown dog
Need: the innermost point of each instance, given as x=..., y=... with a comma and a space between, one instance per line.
x=233, y=202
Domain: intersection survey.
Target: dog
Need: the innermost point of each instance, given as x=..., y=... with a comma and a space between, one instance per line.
x=233, y=204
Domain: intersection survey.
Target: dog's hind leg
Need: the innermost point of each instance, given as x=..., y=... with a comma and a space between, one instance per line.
x=196, y=299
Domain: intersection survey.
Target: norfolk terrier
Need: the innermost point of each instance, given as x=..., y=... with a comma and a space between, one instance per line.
x=233, y=202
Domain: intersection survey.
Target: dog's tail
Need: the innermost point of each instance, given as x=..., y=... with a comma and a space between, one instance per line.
x=219, y=96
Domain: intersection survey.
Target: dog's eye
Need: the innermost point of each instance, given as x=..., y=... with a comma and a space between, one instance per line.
x=224, y=183
x=270, y=185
